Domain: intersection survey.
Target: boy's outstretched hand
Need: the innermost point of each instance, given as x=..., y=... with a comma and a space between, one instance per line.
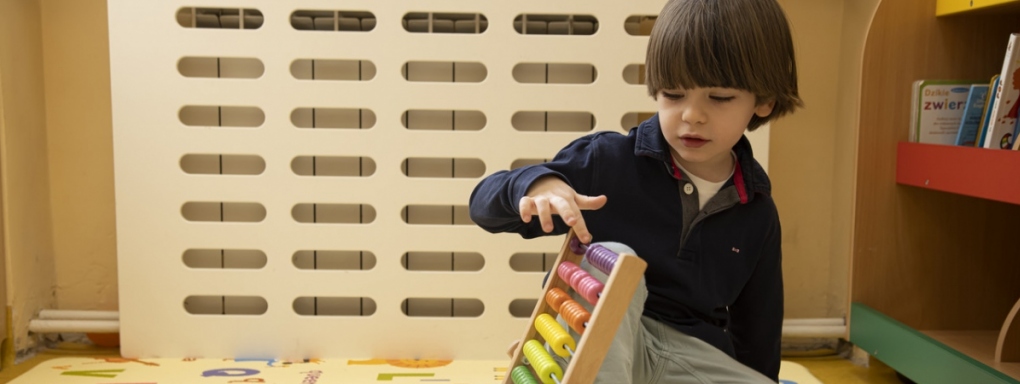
x=551, y=195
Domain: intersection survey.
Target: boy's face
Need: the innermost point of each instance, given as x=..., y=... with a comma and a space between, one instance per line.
x=702, y=124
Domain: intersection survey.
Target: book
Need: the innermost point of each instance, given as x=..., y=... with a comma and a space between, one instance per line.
x=993, y=89
x=1002, y=122
x=937, y=110
x=972, y=113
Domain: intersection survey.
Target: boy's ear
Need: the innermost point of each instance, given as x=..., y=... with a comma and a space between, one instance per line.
x=765, y=109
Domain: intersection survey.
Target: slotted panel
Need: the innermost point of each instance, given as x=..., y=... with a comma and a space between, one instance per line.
x=335, y=115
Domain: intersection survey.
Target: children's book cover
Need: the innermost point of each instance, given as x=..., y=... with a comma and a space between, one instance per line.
x=993, y=89
x=972, y=112
x=1004, y=107
x=938, y=109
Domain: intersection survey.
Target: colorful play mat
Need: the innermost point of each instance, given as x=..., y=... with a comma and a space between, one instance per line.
x=115, y=370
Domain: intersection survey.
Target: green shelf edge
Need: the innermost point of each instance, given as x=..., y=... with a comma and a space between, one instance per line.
x=914, y=354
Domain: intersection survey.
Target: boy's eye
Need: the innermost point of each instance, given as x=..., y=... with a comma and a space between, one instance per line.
x=672, y=96
x=723, y=98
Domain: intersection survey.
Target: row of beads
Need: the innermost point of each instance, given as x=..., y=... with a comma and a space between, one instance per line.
x=575, y=315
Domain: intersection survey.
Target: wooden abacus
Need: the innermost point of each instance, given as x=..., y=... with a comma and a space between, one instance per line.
x=597, y=329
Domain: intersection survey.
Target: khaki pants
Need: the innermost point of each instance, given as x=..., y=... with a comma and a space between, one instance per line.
x=646, y=351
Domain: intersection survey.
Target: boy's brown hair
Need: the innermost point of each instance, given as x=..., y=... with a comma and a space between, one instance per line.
x=743, y=44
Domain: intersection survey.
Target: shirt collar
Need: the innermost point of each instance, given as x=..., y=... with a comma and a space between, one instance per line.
x=748, y=176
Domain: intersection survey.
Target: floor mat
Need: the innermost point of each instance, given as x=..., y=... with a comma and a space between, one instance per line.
x=107, y=370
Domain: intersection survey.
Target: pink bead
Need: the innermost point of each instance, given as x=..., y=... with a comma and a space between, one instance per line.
x=590, y=288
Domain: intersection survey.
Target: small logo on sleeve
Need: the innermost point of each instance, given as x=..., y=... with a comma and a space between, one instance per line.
x=735, y=250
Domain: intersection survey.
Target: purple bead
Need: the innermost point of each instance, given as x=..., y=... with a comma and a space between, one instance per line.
x=602, y=258
x=576, y=246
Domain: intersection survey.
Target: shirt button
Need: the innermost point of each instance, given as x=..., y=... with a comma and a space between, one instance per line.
x=688, y=188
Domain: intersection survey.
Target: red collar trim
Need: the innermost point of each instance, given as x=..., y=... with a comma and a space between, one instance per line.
x=738, y=178
x=676, y=170
x=738, y=181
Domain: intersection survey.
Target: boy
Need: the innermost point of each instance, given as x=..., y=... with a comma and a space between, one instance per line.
x=683, y=190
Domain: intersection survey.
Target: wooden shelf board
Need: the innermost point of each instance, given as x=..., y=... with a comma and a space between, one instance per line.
x=954, y=7
x=978, y=344
x=929, y=356
x=977, y=172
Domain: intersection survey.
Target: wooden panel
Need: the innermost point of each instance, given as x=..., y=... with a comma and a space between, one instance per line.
x=977, y=345
x=929, y=259
x=929, y=356
x=4, y=358
x=1007, y=347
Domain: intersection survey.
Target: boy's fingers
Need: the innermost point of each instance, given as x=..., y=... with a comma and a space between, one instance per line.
x=544, y=214
x=525, y=207
x=581, y=230
x=590, y=202
x=566, y=209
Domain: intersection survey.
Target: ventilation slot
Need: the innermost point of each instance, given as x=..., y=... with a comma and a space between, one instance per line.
x=224, y=259
x=534, y=24
x=444, y=71
x=421, y=22
x=443, y=120
x=631, y=120
x=345, y=21
x=221, y=67
x=519, y=163
x=522, y=308
x=333, y=166
x=333, y=118
x=542, y=73
x=226, y=305
x=443, y=168
x=220, y=18
x=553, y=121
x=334, y=260
x=443, y=261
x=436, y=214
x=532, y=262
x=326, y=69
x=197, y=164
x=334, y=306
x=333, y=213
x=634, y=74
x=428, y=307
x=223, y=212
x=220, y=116
x=639, y=25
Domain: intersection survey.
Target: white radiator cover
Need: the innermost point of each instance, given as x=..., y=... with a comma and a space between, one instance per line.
x=156, y=225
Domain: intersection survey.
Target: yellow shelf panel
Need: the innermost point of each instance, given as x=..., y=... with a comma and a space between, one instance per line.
x=950, y=7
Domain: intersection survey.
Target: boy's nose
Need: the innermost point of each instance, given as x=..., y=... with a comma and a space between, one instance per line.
x=694, y=115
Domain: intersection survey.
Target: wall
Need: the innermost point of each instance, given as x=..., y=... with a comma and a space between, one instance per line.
x=814, y=190
x=802, y=183
x=77, y=71
x=26, y=184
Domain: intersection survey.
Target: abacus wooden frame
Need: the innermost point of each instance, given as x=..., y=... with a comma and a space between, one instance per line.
x=605, y=318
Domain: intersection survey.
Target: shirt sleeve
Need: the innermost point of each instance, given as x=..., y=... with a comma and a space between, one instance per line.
x=494, y=202
x=756, y=318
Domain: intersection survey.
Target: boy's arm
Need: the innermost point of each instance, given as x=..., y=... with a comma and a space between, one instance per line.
x=756, y=318
x=494, y=203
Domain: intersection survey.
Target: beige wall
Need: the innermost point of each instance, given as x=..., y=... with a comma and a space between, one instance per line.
x=811, y=161
x=77, y=71
x=26, y=184
x=802, y=162
x=813, y=154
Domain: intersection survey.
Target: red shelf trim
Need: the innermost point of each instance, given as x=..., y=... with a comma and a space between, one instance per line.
x=992, y=174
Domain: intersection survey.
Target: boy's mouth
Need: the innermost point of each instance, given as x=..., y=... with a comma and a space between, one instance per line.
x=693, y=142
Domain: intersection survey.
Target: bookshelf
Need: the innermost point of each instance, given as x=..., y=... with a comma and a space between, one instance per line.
x=935, y=270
